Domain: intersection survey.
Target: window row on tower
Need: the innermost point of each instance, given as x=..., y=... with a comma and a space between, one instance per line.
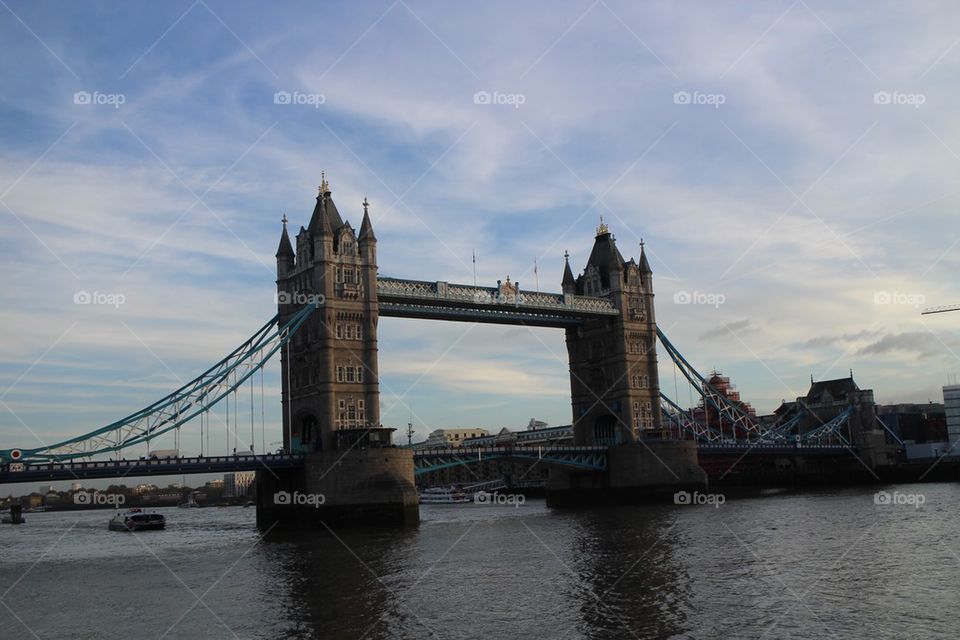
x=640, y=381
x=350, y=414
x=349, y=331
x=349, y=373
x=347, y=275
x=643, y=415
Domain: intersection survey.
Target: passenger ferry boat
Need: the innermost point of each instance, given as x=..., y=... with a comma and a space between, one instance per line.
x=444, y=495
x=136, y=520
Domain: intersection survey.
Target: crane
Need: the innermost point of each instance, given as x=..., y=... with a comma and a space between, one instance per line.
x=943, y=309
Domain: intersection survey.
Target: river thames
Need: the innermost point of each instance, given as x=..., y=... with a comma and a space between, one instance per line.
x=831, y=564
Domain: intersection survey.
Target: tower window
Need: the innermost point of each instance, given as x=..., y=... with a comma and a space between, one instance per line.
x=340, y=376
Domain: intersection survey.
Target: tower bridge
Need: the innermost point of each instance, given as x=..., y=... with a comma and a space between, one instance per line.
x=629, y=438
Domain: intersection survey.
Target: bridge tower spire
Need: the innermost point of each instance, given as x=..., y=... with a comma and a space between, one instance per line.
x=613, y=362
x=285, y=256
x=569, y=284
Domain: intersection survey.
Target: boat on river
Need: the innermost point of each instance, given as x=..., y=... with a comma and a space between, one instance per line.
x=136, y=520
x=444, y=495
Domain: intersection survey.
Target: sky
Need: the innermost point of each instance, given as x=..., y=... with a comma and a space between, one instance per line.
x=791, y=167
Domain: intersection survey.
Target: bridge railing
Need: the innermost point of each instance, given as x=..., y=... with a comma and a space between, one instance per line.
x=768, y=445
x=146, y=462
x=473, y=451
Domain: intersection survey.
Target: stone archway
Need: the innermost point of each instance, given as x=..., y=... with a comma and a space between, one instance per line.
x=310, y=433
x=605, y=430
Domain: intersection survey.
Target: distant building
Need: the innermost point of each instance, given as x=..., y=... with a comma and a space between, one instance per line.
x=76, y=486
x=914, y=423
x=442, y=438
x=826, y=400
x=535, y=424
x=548, y=436
x=215, y=484
x=235, y=485
x=951, y=405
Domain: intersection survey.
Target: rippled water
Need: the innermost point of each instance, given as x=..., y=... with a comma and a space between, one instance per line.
x=821, y=565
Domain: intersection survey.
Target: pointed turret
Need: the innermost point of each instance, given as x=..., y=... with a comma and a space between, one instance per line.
x=569, y=284
x=605, y=260
x=285, y=255
x=366, y=227
x=644, y=265
x=286, y=247
x=325, y=216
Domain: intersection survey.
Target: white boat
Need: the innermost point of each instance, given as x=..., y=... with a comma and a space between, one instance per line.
x=444, y=495
x=136, y=520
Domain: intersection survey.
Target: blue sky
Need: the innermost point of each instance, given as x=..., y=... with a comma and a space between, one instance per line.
x=808, y=184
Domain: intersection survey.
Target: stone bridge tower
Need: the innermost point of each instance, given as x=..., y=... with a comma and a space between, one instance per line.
x=331, y=393
x=615, y=389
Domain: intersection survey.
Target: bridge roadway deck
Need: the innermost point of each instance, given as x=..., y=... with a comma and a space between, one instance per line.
x=586, y=456
x=77, y=470
x=773, y=449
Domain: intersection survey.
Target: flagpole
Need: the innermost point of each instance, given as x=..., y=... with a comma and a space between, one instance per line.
x=536, y=273
x=474, y=267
